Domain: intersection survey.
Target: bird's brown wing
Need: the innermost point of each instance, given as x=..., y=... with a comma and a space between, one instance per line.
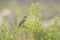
x=21, y=23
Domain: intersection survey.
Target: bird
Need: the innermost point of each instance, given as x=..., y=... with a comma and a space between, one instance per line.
x=22, y=21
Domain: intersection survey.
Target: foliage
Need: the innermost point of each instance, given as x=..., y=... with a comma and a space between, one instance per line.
x=32, y=29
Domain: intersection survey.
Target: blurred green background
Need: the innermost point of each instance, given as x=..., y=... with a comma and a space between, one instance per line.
x=42, y=23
